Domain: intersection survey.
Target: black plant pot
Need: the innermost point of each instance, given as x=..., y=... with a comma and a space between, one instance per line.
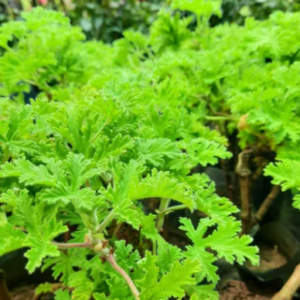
x=274, y=234
x=14, y=266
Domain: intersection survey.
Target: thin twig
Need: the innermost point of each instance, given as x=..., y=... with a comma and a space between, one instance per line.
x=127, y=278
x=243, y=171
x=266, y=204
x=291, y=286
x=72, y=245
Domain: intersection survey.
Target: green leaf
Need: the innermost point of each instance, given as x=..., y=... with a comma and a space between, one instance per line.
x=160, y=184
x=11, y=239
x=83, y=286
x=199, y=7
x=149, y=280
x=204, y=291
x=63, y=264
x=155, y=151
x=224, y=240
x=98, y=296
x=125, y=256
x=202, y=151
x=62, y=295
x=167, y=255
x=228, y=244
x=43, y=288
x=284, y=173
x=39, y=250
x=172, y=284
x=28, y=173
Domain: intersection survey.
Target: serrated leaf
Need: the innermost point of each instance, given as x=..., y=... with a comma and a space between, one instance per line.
x=83, y=286
x=43, y=288
x=39, y=250
x=11, y=239
x=224, y=240
x=28, y=173
x=284, y=173
x=172, y=284
x=204, y=291
x=98, y=296
x=160, y=184
x=62, y=295
x=155, y=151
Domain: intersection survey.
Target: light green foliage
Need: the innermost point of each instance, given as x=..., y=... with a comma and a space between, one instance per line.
x=112, y=128
x=224, y=240
x=285, y=172
x=199, y=7
x=43, y=288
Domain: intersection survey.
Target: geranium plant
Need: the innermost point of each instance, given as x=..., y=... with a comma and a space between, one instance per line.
x=117, y=128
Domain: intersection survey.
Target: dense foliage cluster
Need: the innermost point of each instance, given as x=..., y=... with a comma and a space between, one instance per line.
x=104, y=19
x=107, y=19
x=117, y=126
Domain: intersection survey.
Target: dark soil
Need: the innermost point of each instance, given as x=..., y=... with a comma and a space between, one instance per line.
x=238, y=290
x=26, y=292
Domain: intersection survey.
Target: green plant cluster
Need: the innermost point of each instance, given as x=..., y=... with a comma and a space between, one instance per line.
x=239, y=10
x=117, y=126
x=105, y=19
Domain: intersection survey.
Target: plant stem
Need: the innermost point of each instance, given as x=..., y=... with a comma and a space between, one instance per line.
x=174, y=208
x=243, y=171
x=106, y=254
x=161, y=216
x=106, y=221
x=266, y=204
x=164, y=203
x=290, y=287
x=72, y=245
x=127, y=278
x=218, y=118
x=99, y=131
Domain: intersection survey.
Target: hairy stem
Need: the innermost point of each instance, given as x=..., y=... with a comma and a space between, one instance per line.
x=127, y=278
x=266, y=204
x=106, y=221
x=161, y=216
x=289, y=289
x=72, y=245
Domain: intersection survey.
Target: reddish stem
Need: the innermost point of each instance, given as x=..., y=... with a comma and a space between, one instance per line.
x=112, y=261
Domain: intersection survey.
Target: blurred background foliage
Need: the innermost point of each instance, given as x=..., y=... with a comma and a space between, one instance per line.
x=107, y=19
x=238, y=10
